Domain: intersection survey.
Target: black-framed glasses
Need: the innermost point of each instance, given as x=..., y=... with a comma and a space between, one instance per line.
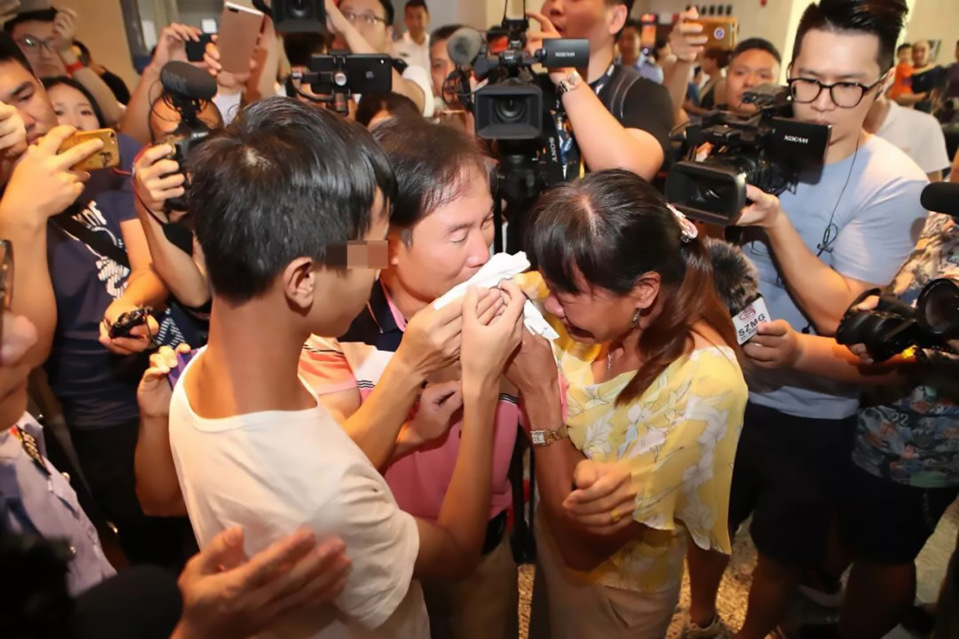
x=6, y=279
x=29, y=42
x=845, y=95
x=367, y=17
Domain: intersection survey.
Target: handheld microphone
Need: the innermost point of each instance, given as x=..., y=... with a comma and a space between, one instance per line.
x=737, y=283
x=183, y=79
x=142, y=602
x=941, y=197
x=464, y=46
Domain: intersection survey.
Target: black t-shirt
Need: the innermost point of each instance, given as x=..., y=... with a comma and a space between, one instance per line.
x=647, y=106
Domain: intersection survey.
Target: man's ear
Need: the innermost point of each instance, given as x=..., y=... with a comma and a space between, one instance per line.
x=299, y=283
x=617, y=19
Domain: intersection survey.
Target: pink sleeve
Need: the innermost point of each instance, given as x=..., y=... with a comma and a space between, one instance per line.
x=324, y=367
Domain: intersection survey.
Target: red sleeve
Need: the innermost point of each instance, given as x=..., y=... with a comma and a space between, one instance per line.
x=324, y=367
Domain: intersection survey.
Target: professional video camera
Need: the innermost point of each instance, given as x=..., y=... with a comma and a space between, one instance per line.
x=334, y=78
x=726, y=151
x=510, y=106
x=186, y=89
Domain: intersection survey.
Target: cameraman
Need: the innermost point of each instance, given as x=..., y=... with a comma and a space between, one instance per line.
x=633, y=135
x=904, y=461
x=816, y=250
x=366, y=26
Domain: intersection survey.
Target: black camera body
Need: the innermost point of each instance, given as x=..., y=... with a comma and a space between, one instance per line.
x=334, y=78
x=894, y=327
x=726, y=151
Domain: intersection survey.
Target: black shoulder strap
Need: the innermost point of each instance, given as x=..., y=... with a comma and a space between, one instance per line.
x=619, y=87
x=95, y=241
x=400, y=65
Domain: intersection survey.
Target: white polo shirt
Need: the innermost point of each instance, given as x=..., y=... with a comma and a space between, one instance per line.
x=412, y=53
x=918, y=134
x=277, y=471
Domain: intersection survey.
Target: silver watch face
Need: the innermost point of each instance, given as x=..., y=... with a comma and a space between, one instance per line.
x=538, y=437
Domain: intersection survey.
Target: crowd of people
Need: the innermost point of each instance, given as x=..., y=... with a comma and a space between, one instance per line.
x=336, y=413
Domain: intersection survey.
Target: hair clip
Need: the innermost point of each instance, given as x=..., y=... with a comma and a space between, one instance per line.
x=689, y=230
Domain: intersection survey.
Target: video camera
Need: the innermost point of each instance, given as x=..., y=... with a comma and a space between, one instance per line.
x=894, y=326
x=510, y=106
x=186, y=89
x=334, y=78
x=726, y=151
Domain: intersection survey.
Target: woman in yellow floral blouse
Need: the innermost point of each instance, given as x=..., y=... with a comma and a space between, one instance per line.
x=649, y=355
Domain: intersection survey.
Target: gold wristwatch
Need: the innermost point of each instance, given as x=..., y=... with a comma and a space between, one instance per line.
x=569, y=83
x=547, y=437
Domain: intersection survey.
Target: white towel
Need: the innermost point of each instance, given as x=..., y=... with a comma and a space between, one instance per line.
x=502, y=267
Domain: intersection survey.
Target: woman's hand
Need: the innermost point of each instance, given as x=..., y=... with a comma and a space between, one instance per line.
x=604, y=497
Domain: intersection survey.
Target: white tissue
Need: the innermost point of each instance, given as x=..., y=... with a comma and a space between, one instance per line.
x=502, y=267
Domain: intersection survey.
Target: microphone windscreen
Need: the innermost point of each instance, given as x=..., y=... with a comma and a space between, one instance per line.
x=464, y=46
x=182, y=78
x=941, y=197
x=735, y=276
x=142, y=602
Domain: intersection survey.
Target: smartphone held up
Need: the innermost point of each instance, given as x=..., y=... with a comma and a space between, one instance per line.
x=107, y=157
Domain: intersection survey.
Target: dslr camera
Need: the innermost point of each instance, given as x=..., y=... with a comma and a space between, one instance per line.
x=894, y=326
x=186, y=89
x=726, y=151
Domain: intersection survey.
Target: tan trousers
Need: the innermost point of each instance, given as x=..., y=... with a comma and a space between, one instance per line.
x=482, y=606
x=566, y=606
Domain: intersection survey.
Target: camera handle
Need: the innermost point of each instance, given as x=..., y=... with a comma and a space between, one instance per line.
x=339, y=99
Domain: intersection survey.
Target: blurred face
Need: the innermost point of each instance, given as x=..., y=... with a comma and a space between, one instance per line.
x=629, y=45
x=350, y=287
x=417, y=21
x=73, y=108
x=369, y=18
x=164, y=119
x=19, y=88
x=590, y=19
x=36, y=41
x=747, y=70
x=904, y=55
x=835, y=57
x=19, y=335
x=447, y=246
x=709, y=66
x=594, y=315
x=440, y=66
x=920, y=53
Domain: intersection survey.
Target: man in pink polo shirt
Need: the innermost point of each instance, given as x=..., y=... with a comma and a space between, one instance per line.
x=440, y=233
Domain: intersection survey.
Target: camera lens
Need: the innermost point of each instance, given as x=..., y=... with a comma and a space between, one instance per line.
x=938, y=308
x=511, y=110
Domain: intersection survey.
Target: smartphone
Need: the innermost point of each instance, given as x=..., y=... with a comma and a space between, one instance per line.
x=365, y=72
x=239, y=31
x=195, y=50
x=129, y=321
x=721, y=32
x=107, y=157
x=647, y=36
x=182, y=359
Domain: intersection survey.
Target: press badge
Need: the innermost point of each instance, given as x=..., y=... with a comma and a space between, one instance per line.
x=748, y=321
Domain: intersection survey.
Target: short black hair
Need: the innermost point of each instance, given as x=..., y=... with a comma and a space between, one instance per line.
x=881, y=18
x=905, y=45
x=300, y=47
x=632, y=23
x=444, y=33
x=41, y=15
x=757, y=44
x=49, y=83
x=390, y=11
x=395, y=104
x=283, y=180
x=10, y=52
x=721, y=55
x=412, y=4
x=430, y=162
x=615, y=3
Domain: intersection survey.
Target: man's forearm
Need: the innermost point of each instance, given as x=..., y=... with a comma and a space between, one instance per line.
x=157, y=484
x=676, y=81
x=177, y=269
x=145, y=288
x=136, y=120
x=823, y=357
x=376, y=424
x=820, y=292
x=34, y=297
x=604, y=142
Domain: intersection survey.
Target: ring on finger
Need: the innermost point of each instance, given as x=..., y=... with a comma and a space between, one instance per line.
x=614, y=515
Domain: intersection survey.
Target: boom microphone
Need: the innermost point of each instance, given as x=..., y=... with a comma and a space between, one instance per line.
x=183, y=79
x=464, y=46
x=941, y=197
x=737, y=283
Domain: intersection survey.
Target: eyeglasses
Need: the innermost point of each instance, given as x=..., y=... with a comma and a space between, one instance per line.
x=368, y=18
x=845, y=95
x=6, y=278
x=29, y=42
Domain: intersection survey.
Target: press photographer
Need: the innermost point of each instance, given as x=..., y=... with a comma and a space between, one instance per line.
x=817, y=247
x=905, y=463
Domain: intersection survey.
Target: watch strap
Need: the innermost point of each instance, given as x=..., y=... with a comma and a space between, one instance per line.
x=547, y=437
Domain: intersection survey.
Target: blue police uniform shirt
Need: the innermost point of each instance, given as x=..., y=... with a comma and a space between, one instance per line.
x=96, y=388
x=877, y=221
x=41, y=502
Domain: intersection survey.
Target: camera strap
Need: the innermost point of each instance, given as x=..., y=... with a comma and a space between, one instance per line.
x=95, y=241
